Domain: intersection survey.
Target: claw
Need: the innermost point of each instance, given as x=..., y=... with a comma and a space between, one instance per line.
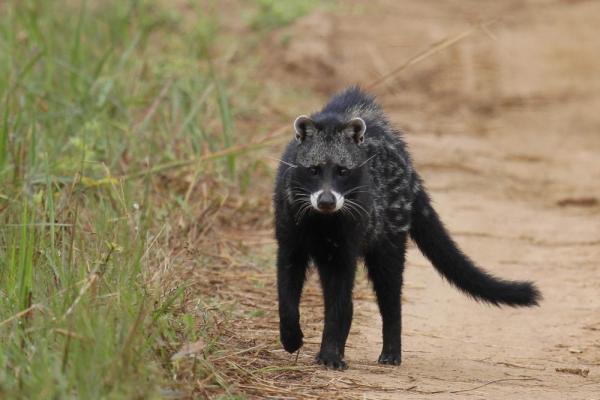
x=389, y=359
x=331, y=362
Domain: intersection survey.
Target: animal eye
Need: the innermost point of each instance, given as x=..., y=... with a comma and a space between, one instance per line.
x=313, y=170
x=343, y=171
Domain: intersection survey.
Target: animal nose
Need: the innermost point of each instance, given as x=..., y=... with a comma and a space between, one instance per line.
x=326, y=201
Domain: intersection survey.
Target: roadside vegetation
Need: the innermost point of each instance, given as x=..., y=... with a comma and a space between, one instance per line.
x=130, y=134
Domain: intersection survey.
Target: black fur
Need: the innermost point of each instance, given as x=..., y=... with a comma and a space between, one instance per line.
x=349, y=150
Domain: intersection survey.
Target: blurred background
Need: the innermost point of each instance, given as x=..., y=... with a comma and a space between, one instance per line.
x=138, y=145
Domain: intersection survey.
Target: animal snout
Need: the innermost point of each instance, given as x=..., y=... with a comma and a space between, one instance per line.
x=326, y=201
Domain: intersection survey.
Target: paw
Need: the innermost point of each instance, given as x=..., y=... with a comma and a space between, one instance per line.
x=291, y=338
x=331, y=361
x=389, y=358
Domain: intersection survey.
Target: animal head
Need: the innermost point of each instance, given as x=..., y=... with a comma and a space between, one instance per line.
x=330, y=158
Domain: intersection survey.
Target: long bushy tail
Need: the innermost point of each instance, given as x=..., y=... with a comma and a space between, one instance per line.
x=436, y=244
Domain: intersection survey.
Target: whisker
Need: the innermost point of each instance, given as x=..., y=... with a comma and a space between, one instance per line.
x=286, y=172
x=297, y=216
x=354, y=188
x=367, y=160
x=298, y=185
x=345, y=211
x=299, y=188
x=301, y=201
x=284, y=162
x=348, y=210
x=353, y=211
x=358, y=191
x=303, y=211
x=299, y=193
x=358, y=205
x=303, y=196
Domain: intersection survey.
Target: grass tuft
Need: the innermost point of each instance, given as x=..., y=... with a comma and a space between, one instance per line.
x=119, y=153
x=119, y=156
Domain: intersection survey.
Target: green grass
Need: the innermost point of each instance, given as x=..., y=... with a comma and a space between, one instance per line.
x=275, y=13
x=97, y=98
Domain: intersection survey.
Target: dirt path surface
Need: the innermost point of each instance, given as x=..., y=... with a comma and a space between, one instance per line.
x=504, y=127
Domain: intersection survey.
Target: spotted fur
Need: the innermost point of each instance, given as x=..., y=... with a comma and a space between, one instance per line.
x=350, y=149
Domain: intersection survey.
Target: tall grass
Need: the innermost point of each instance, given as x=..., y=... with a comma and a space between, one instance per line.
x=93, y=95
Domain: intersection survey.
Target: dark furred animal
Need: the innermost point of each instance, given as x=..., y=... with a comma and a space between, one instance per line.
x=346, y=189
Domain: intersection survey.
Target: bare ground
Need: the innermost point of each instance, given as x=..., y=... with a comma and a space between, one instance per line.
x=505, y=129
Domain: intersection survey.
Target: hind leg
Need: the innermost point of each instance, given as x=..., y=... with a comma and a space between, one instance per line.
x=385, y=265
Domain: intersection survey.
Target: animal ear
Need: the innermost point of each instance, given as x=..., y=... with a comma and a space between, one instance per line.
x=356, y=129
x=304, y=126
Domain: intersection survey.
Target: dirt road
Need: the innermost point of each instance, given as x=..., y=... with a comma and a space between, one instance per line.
x=504, y=127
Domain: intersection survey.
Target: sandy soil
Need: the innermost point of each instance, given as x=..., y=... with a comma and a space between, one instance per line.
x=505, y=128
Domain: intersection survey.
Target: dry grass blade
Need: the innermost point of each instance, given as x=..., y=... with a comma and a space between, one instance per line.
x=90, y=281
x=273, y=139
x=433, y=49
x=153, y=107
x=71, y=334
x=20, y=314
x=492, y=382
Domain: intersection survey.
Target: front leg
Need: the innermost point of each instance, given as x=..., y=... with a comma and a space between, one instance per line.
x=291, y=272
x=337, y=281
